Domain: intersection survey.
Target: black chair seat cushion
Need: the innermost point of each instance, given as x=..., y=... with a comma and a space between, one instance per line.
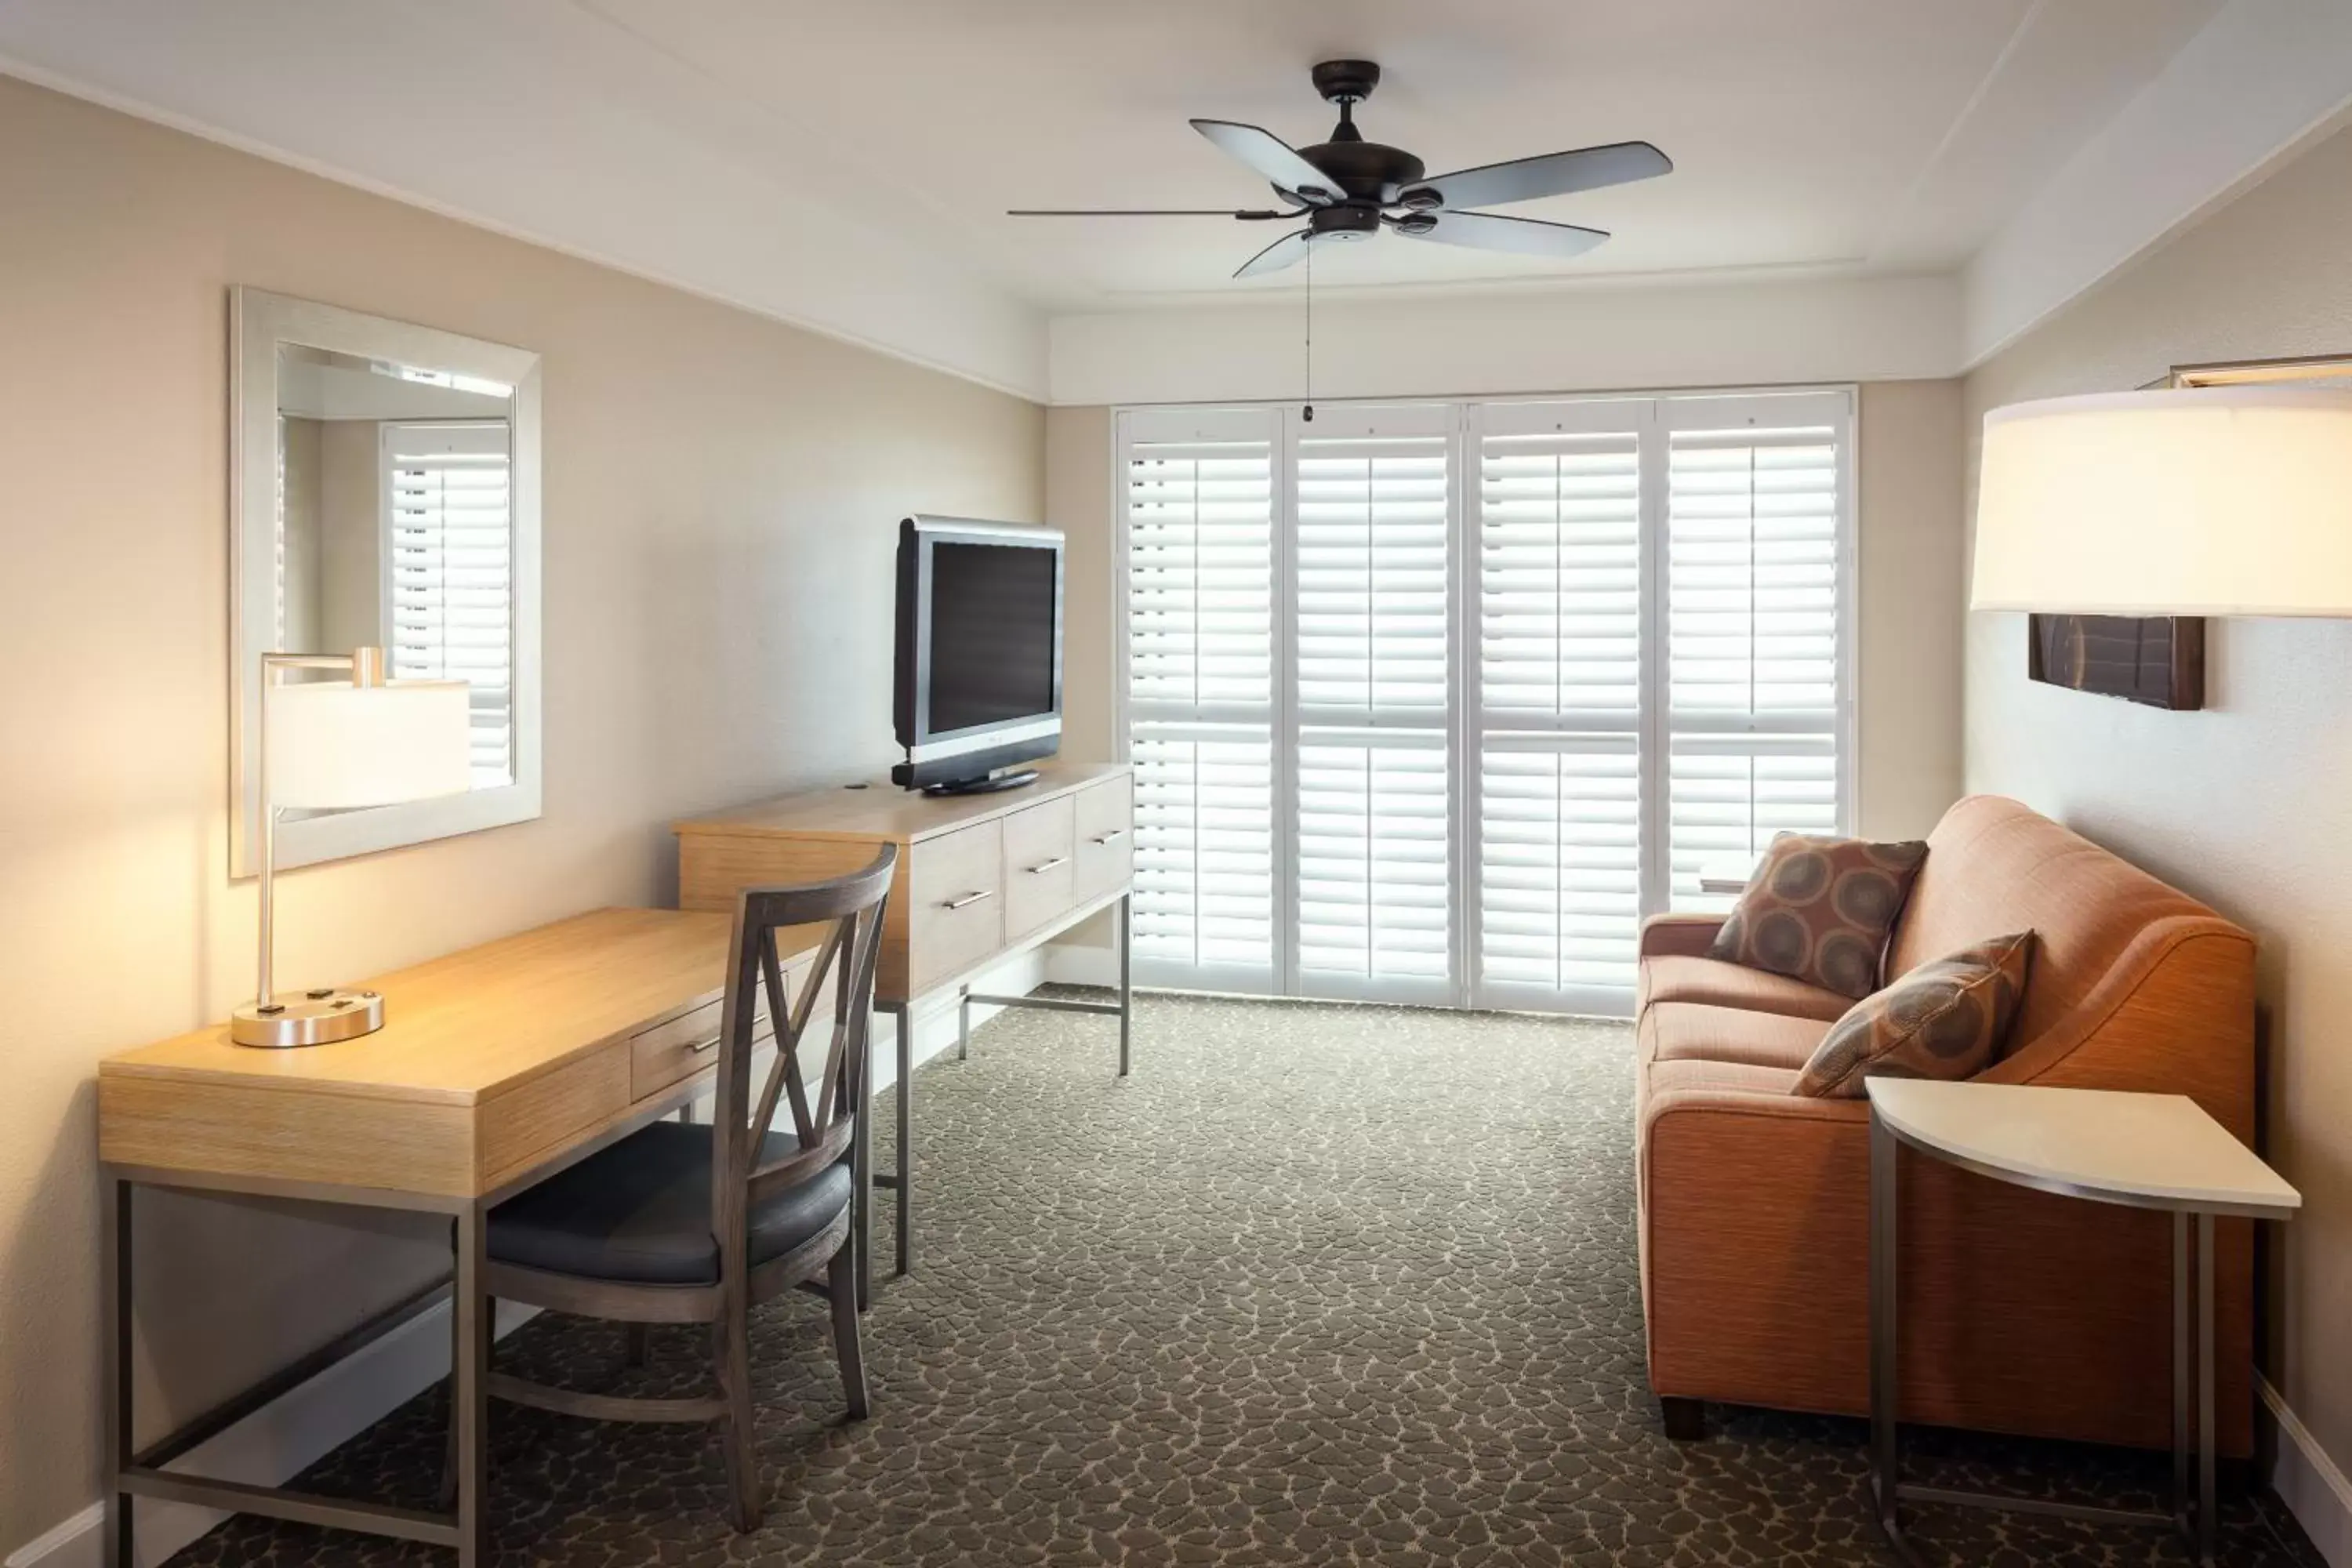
x=639, y=1212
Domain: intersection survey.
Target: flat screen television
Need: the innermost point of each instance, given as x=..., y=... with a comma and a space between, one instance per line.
x=980, y=653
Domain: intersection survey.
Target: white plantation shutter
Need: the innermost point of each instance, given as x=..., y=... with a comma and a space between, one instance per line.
x=1372, y=509
x=1434, y=702
x=1199, y=498
x=449, y=577
x=1559, y=701
x=1753, y=626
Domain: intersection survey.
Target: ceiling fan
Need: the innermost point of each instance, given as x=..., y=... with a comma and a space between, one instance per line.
x=1349, y=189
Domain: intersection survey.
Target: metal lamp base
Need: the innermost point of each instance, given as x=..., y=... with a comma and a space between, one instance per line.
x=312, y=1018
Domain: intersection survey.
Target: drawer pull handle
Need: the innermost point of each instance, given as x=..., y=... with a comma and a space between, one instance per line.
x=1042, y=867
x=967, y=898
x=1114, y=833
x=701, y=1046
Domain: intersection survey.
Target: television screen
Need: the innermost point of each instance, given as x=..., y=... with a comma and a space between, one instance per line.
x=991, y=633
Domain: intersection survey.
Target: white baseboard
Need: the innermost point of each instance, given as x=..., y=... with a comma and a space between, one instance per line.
x=286, y=1437
x=1076, y=964
x=2310, y=1483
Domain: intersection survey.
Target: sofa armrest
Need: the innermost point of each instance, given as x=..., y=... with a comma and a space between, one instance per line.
x=1680, y=936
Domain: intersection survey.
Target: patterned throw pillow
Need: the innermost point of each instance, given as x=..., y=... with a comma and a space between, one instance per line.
x=1820, y=909
x=1947, y=1019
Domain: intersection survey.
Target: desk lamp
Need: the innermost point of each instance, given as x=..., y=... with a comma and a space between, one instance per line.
x=334, y=745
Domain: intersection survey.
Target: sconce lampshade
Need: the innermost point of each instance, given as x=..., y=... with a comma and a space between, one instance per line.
x=2222, y=500
x=333, y=746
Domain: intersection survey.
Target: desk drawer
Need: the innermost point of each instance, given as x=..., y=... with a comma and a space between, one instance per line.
x=1106, y=823
x=665, y=1053
x=955, y=903
x=1040, y=866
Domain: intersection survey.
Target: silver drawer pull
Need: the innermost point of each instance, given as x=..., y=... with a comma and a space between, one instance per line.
x=1043, y=866
x=967, y=898
x=1114, y=833
x=701, y=1046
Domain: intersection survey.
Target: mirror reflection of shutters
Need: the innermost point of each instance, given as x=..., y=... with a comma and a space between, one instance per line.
x=449, y=572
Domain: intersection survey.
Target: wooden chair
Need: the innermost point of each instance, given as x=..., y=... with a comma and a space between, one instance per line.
x=682, y=1223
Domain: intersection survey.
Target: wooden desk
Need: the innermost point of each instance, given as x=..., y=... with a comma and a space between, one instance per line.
x=980, y=878
x=495, y=1067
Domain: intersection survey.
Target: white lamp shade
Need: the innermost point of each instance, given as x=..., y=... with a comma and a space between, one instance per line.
x=333, y=746
x=2224, y=500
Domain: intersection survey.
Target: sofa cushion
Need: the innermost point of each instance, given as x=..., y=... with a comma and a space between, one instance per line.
x=1947, y=1020
x=1700, y=1032
x=1674, y=978
x=1820, y=910
x=1995, y=865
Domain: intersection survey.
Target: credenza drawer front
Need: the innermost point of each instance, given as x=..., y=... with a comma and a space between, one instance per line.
x=1106, y=818
x=1040, y=866
x=955, y=914
x=665, y=1053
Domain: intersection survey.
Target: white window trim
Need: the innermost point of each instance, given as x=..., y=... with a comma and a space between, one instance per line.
x=1468, y=417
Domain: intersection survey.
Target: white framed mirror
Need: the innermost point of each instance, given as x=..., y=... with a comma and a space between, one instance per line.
x=384, y=491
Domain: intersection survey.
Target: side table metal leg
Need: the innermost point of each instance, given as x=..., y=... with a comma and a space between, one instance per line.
x=2208, y=1492
x=906, y=1138
x=1885, y=1455
x=2180, y=1371
x=114, y=1243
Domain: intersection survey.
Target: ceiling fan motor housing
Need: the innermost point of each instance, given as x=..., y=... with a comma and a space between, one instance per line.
x=1343, y=222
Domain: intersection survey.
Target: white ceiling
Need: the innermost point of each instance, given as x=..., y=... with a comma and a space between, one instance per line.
x=846, y=164
x=1861, y=135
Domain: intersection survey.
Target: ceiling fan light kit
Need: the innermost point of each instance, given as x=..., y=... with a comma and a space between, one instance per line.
x=1347, y=189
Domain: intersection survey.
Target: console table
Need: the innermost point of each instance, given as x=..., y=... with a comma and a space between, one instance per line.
x=981, y=878
x=496, y=1067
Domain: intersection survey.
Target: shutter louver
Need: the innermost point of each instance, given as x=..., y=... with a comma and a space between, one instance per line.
x=1200, y=577
x=451, y=569
x=1559, y=872
x=1373, y=883
x=1752, y=631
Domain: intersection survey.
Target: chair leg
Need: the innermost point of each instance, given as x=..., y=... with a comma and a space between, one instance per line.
x=1684, y=1419
x=639, y=1336
x=733, y=1334
x=841, y=1287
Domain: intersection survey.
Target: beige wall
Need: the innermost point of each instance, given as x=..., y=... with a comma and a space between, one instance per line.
x=720, y=498
x=1907, y=460
x=2248, y=804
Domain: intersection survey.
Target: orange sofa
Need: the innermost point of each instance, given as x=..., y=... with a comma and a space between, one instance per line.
x=2020, y=1311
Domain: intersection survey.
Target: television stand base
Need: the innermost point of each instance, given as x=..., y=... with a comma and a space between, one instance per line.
x=987, y=784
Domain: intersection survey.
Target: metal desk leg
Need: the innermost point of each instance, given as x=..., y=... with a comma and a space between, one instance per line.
x=470, y=1345
x=1885, y=1456
x=114, y=1245
x=906, y=1137
x=963, y=1024
x=861, y=1188
x=2208, y=1493
x=1125, y=975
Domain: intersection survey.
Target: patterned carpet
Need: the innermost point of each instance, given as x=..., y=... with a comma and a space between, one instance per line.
x=1317, y=1285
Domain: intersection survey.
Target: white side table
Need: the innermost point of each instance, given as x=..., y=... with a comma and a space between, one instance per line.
x=2139, y=1151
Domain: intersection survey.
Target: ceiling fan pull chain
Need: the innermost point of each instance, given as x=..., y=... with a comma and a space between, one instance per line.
x=1306, y=378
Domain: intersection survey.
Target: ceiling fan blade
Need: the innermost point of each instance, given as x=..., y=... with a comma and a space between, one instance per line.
x=1275, y=160
x=1247, y=215
x=1493, y=231
x=1287, y=251
x=1552, y=174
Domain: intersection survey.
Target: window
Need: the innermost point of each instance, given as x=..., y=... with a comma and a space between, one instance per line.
x=449, y=572
x=1433, y=702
